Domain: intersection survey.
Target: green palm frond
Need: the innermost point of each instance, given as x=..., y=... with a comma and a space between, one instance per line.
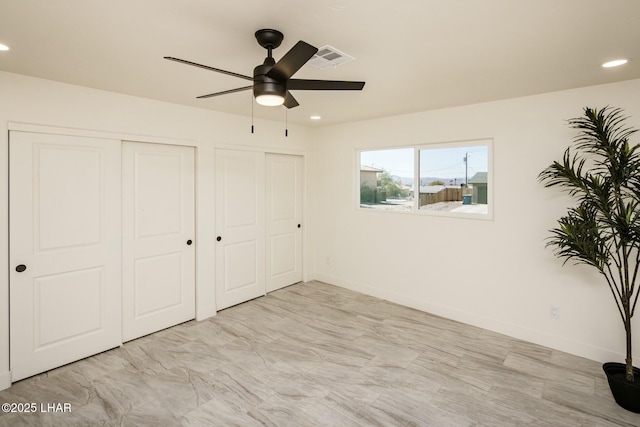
x=577, y=238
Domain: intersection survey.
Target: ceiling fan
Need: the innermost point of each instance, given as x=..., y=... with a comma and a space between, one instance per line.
x=272, y=80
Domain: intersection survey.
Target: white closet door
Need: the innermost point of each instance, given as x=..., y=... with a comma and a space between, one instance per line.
x=64, y=249
x=284, y=220
x=158, y=252
x=240, y=227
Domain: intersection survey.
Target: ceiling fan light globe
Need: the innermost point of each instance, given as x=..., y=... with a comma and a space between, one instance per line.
x=270, y=100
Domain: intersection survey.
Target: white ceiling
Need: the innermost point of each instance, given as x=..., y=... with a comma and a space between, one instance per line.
x=414, y=55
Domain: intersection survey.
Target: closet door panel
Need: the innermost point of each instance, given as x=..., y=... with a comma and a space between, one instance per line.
x=158, y=237
x=240, y=227
x=284, y=220
x=65, y=227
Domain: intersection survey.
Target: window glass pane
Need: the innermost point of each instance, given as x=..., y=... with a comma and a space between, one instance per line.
x=387, y=179
x=454, y=179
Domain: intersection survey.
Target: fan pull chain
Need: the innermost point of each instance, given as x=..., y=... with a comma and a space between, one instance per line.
x=252, y=112
x=286, y=122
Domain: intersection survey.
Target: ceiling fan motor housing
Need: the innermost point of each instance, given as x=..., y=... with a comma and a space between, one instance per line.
x=263, y=85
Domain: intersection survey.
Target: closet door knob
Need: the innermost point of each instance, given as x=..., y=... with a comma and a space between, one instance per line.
x=20, y=268
x=218, y=238
x=298, y=225
x=189, y=242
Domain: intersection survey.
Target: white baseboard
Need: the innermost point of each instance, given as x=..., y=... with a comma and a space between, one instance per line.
x=552, y=341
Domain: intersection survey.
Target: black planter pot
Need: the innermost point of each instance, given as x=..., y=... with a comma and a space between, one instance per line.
x=625, y=393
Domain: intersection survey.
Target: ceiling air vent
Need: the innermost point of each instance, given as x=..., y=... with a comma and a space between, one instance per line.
x=329, y=57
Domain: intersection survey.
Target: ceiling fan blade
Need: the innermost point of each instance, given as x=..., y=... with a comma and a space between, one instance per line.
x=292, y=61
x=240, y=89
x=290, y=101
x=206, y=67
x=299, y=84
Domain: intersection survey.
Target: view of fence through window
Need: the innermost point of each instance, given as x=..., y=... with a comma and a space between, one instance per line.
x=387, y=179
x=451, y=178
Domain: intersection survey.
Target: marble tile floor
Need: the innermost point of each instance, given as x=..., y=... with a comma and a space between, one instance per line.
x=314, y=354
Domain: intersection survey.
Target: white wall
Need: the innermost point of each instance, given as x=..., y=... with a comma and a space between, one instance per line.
x=494, y=274
x=30, y=100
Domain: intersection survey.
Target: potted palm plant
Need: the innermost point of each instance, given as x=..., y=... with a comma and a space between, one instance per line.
x=601, y=171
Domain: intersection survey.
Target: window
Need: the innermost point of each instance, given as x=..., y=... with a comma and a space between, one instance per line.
x=454, y=179
x=451, y=179
x=386, y=179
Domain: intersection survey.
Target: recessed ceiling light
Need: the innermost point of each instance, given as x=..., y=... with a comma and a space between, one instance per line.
x=4, y=47
x=615, y=63
x=315, y=117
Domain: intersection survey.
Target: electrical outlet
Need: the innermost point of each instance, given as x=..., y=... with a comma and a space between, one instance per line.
x=554, y=312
